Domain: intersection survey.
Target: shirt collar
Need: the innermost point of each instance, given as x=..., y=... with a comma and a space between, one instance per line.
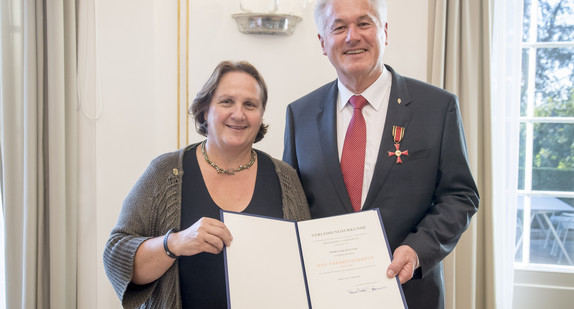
x=374, y=94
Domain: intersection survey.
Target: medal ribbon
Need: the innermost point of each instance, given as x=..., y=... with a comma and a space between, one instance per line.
x=398, y=133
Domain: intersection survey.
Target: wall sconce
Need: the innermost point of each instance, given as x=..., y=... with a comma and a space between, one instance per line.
x=269, y=16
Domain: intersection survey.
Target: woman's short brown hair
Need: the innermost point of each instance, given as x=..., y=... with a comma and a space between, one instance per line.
x=200, y=104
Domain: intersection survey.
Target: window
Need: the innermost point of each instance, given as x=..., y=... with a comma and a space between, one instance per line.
x=545, y=208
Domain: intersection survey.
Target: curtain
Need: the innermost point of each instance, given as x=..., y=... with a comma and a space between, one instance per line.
x=506, y=79
x=459, y=45
x=38, y=152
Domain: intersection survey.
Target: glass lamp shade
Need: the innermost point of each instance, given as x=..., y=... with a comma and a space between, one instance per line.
x=269, y=16
x=270, y=23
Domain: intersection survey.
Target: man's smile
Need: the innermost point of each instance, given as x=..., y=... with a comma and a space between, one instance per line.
x=355, y=51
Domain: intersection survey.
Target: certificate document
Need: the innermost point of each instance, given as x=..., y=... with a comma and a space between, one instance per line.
x=334, y=262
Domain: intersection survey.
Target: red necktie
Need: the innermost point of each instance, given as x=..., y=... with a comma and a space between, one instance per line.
x=353, y=157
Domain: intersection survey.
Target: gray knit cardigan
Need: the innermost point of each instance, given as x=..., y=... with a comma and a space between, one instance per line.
x=152, y=207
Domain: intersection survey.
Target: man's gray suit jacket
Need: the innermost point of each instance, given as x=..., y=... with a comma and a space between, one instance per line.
x=426, y=202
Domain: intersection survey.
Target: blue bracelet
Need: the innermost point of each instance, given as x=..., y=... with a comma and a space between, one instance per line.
x=169, y=253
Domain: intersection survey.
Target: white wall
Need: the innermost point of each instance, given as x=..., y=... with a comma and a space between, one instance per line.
x=135, y=45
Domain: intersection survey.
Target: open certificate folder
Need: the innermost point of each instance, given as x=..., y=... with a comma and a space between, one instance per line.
x=334, y=262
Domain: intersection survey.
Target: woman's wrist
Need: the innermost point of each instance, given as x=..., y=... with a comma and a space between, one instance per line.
x=168, y=252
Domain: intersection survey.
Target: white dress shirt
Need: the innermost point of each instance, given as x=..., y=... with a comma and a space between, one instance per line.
x=374, y=113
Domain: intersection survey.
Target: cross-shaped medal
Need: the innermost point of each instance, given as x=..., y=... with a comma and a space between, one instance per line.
x=398, y=133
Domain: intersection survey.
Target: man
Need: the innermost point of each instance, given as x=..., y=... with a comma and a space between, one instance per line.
x=407, y=146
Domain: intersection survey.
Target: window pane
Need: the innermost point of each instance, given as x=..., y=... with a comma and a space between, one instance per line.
x=553, y=157
x=569, y=201
x=540, y=240
x=519, y=234
x=526, y=21
x=551, y=237
x=555, y=22
x=551, y=230
x=554, y=82
x=524, y=82
x=522, y=156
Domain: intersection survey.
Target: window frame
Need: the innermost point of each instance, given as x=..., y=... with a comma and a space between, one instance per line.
x=529, y=121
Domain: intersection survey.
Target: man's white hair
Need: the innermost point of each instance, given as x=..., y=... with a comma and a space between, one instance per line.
x=320, y=13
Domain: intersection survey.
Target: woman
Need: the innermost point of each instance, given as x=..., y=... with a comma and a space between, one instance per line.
x=164, y=251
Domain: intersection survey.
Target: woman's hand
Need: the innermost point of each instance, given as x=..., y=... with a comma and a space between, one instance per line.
x=205, y=235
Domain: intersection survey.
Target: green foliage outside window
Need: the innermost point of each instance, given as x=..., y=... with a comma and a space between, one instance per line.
x=553, y=144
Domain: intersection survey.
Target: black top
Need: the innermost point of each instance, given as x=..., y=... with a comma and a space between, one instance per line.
x=202, y=276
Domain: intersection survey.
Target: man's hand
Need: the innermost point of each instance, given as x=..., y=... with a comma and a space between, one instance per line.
x=404, y=263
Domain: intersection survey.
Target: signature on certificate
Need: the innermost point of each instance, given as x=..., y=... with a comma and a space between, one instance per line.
x=366, y=290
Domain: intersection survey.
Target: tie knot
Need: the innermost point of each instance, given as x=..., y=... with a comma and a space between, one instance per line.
x=358, y=101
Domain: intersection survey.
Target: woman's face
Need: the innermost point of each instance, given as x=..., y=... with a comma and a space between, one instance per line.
x=235, y=113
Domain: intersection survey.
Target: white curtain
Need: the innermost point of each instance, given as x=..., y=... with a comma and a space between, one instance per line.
x=459, y=38
x=38, y=152
x=506, y=78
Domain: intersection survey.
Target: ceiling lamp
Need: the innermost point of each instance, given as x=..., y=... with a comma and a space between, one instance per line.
x=269, y=16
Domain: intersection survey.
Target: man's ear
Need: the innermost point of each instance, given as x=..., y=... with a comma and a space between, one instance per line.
x=322, y=44
x=386, y=33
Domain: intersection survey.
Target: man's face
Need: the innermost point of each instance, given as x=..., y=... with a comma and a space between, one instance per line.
x=354, y=39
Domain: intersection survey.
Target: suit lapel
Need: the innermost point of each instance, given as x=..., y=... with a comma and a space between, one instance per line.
x=327, y=126
x=398, y=114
